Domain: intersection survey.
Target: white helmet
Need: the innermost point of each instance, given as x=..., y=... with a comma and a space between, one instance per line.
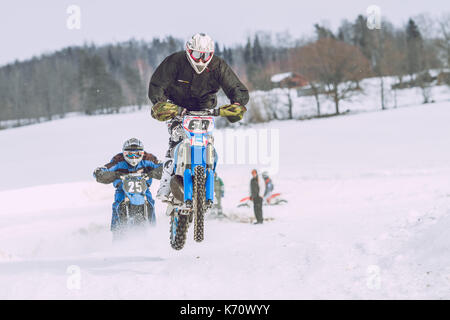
x=199, y=51
x=133, y=151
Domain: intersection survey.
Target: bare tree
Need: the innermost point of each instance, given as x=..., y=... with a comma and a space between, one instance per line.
x=303, y=61
x=444, y=37
x=337, y=66
x=428, y=55
x=392, y=62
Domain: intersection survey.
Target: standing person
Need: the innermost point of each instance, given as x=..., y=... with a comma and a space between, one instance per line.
x=256, y=198
x=189, y=80
x=268, y=186
x=219, y=192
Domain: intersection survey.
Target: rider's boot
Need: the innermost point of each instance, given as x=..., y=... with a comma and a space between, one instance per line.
x=164, y=186
x=175, y=131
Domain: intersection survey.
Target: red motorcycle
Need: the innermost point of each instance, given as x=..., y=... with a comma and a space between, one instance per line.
x=272, y=200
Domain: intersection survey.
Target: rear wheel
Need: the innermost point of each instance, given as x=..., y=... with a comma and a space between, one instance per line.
x=199, y=204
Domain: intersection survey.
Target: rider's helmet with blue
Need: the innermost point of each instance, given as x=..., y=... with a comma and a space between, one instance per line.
x=199, y=51
x=133, y=151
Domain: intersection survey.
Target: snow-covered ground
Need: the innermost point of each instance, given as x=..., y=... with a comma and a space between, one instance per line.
x=368, y=214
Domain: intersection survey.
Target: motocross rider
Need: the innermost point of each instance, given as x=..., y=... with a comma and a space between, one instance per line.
x=132, y=159
x=190, y=80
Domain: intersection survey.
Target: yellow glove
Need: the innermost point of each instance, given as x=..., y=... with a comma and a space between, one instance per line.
x=233, y=112
x=164, y=111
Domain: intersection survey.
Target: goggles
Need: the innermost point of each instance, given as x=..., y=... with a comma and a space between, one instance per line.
x=134, y=154
x=198, y=56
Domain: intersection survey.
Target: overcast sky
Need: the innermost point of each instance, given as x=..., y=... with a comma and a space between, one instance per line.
x=32, y=27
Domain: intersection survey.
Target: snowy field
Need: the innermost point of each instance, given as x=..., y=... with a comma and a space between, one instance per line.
x=368, y=214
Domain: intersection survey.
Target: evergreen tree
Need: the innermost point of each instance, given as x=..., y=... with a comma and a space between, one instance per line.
x=248, y=53
x=415, y=47
x=323, y=32
x=99, y=89
x=217, y=51
x=135, y=85
x=228, y=55
x=362, y=37
x=258, y=55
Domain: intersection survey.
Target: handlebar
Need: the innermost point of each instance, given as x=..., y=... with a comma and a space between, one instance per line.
x=144, y=175
x=207, y=112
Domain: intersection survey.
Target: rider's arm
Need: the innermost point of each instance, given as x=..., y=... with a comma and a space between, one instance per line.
x=152, y=166
x=163, y=76
x=107, y=174
x=116, y=163
x=235, y=90
x=117, y=183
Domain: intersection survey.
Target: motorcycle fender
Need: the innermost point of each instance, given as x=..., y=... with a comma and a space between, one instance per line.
x=183, y=157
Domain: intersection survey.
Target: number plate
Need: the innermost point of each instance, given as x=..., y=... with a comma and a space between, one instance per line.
x=134, y=185
x=198, y=124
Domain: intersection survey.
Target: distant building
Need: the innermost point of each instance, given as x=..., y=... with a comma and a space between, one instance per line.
x=288, y=80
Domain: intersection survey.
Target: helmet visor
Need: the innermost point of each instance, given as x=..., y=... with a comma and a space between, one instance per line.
x=198, y=56
x=134, y=154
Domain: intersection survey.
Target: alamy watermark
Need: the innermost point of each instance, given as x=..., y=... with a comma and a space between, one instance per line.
x=73, y=281
x=373, y=17
x=373, y=280
x=258, y=147
x=73, y=21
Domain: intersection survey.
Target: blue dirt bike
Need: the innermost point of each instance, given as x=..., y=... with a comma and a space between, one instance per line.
x=134, y=210
x=192, y=184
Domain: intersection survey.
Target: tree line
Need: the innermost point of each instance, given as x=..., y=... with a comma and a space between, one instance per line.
x=335, y=62
x=87, y=79
x=100, y=79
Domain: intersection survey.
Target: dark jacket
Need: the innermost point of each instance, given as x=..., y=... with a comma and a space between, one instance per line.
x=254, y=188
x=176, y=80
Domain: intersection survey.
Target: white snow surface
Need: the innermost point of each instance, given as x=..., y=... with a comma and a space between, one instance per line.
x=368, y=214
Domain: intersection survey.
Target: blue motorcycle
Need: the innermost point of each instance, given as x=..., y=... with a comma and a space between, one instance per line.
x=134, y=210
x=192, y=184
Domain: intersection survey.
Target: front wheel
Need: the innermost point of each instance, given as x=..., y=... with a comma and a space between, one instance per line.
x=178, y=229
x=199, y=204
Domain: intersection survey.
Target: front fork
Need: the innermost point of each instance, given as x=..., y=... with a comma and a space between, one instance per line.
x=210, y=161
x=185, y=168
